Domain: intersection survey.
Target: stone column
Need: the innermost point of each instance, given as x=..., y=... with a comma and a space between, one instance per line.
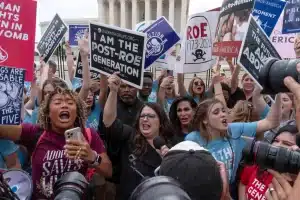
x=184, y=9
x=134, y=9
x=123, y=14
x=172, y=11
x=159, y=8
x=112, y=12
x=147, y=10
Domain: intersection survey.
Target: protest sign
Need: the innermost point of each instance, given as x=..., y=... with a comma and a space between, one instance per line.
x=160, y=38
x=76, y=32
x=255, y=50
x=267, y=13
x=52, y=37
x=284, y=43
x=114, y=49
x=17, y=34
x=11, y=95
x=196, y=50
x=291, y=17
x=78, y=72
x=232, y=26
x=140, y=27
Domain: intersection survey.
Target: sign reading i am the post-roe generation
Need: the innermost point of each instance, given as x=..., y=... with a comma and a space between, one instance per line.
x=118, y=50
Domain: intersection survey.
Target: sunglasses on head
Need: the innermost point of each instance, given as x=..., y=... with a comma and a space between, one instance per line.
x=198, y=83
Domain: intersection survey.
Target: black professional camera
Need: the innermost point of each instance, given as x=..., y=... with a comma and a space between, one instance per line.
x=71, y=186
x=274, y=71
x=267, y=156
x=159, y=188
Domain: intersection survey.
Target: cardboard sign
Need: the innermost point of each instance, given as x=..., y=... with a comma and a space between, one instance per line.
x=17, y=34
x=160, y=38
x=114, y=49
x=196, y=51
x=255, y=50
x=291, y=17
x=76, y=32
x=52, y=37
x=267, y=13
x=284, y=43
x=232, y=26
x=11, y=95
x=78, y=72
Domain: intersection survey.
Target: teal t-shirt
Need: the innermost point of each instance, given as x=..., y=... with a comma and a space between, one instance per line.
x=93, y=118
x=76, y=83
x=228, y=151
x=207, y=94
x=7, y=147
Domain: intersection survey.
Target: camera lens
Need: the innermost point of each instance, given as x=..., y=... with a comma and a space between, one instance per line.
x=159, y=188
x=71, y=186
x=274, y=71
x=271, y=157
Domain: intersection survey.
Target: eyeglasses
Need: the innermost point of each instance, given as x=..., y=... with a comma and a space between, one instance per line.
x=149, y=116
x=197, y=83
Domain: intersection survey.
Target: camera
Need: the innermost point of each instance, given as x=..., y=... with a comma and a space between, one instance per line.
x=274, y=71
x=159, y=188
x=71, y=186
x=272, y=157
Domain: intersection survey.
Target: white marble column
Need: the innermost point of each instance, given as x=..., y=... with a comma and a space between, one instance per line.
x=147, y=10
x=172, y=11
x=159, y=8
x=184, y=10
x=112, y=12
x=101, y=11
x=123, y=13
x=134, y=8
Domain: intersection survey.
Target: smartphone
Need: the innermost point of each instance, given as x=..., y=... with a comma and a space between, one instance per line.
x=73, y=134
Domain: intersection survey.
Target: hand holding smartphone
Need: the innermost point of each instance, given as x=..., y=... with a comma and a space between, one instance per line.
x=74, y=134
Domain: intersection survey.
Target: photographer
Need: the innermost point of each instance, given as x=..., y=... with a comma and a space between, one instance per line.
x=255, y=180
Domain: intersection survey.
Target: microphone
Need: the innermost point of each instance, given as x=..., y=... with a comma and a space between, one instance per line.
x=160, y=144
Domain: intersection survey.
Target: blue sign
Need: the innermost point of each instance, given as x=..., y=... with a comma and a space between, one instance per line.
x=160, y=38
x=291, y=17
x=267, y=13
x=11, y=95
x=76, y=32
x=27, y=85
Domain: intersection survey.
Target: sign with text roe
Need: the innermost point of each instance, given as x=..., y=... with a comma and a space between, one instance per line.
x=255, y=50
x=118, y=50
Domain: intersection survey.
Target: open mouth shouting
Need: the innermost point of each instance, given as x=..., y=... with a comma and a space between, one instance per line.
x=225, y=122
x=64, y=116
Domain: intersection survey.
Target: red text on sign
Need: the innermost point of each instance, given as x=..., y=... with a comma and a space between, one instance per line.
x=194, y=32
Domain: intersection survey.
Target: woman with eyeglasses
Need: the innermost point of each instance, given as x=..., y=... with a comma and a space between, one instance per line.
x=138, y=154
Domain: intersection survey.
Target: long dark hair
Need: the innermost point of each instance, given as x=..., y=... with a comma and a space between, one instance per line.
x=173, y=112
x=165, y=129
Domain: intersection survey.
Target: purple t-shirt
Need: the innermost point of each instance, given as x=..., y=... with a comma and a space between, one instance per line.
x=48, y=160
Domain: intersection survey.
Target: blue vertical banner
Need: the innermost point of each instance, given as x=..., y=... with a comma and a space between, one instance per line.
x=267, y=13
x=160, y=38
x=291, y=17
x=76, y=32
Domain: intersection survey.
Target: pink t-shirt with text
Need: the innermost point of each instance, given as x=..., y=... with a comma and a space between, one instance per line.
x=48, y=160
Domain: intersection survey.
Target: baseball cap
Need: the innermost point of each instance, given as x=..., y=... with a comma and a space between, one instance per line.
x=195, y=169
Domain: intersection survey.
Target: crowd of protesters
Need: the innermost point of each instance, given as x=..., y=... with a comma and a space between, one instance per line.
x=119, y=123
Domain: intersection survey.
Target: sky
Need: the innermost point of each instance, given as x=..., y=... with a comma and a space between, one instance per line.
x=74, y=9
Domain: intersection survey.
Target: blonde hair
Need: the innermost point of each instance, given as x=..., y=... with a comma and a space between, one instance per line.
x=190, y=90
x=44, y=110
x=243, y=111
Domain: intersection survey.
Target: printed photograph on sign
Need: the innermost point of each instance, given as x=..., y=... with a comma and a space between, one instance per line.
x=160, y=38
x=76, y=32
x=51, y=38
x=255, y=50
x=114, y=49
x=17, y=34
x=11, y=95
x=232, y=26
x=284, y=43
